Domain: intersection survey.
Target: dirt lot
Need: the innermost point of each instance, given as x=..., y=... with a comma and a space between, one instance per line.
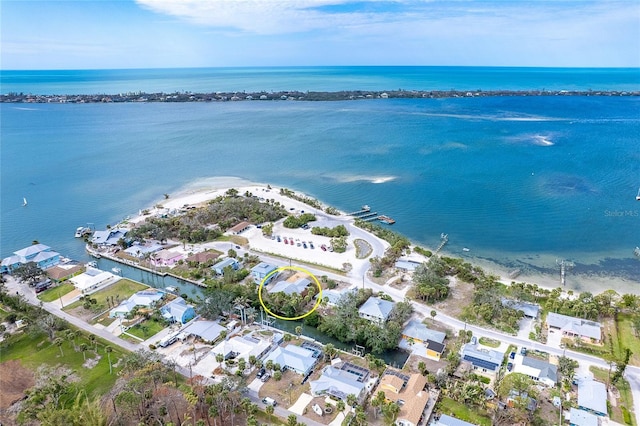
x=14, y=380
x=460, y=294
x=325, y=418
x=432, y=366
x=280, y=390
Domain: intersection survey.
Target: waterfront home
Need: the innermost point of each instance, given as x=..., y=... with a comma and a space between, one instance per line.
x=208, y=331
x=408, y=392
x=582, y=418
x=261, y=270
x=42, y=255
x=203, y=256
x=227, y=262
x=242, y=347
x=298, y=286
x=338, y=383
x=140, y=250
x=589, y=331
x=144, y=298
x=482, y=360
x=446, y=420
x=62, y=272
x=530, y=310
x=333, y=296
x=166, y=258
x=109, y=237
x=376, y=310
x=293, y=358
x=592, y=397
x=539, y=370
x=239, y=228
x=416, y=332
x=178, y=311
x=407, y=265
x=92, y=279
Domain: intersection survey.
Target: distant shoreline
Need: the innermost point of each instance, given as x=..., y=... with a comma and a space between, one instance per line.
x=309, y=96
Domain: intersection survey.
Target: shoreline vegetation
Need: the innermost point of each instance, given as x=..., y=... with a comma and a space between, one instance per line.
x=294, y=95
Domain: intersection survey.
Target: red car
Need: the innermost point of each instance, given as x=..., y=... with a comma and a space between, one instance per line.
x=323, y=247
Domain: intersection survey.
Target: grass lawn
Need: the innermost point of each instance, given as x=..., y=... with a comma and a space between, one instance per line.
x=123, y=289
x=55, y=293
x=153, y=327
x=34, y=351
x=462, y=412
x=623, y=336
x=489, y=342
x=626, y=399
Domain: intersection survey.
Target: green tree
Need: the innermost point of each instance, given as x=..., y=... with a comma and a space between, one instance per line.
x=390, y=413
x=378, y=402
x=269, y=410
x=28, y=272
x=292, y=420
x=433, y=314
x=58, y=342
x=351, y=400
x=108, y=349
x=83, y=349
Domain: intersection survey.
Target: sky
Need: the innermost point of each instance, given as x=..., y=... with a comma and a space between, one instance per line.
x=107, y=34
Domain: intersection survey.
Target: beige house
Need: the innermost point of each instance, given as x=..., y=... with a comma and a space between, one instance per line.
x=409, y=393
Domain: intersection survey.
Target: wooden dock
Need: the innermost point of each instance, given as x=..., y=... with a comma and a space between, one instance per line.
x=444, y=239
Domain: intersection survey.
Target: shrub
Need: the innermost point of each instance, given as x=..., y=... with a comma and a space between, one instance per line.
x=152, y=347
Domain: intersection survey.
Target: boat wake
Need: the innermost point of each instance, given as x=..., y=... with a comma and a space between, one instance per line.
x=363, y=178
x=542, y=141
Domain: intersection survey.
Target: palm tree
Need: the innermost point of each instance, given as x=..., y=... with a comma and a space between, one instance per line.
x=219, y=358
x=83, y=349
x=351, y=400
x=58, y=342
x=340, y=406
x=94, y=342
x=433, y=314
x=390, y=412
x=378, y=402
x=71, y=336
x=269, y=410
x=108, y=349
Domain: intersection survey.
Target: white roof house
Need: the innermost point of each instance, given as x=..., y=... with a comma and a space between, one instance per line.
x=539, y=370
x=109, y=237
x=289, y=288
x=294, y=358
x=261, y=270
x=337, y=383
x=592, y=397
x=446, y=420
x=91, y=279
x=229, y=261
x=486, y=360
x=421, y=333
x=376, y=310
x=206, y=330
x=139, y=250
x=530, y=310
x=242, y=347
x=571, y=326
x=334, y=296
x=145, y=298
x=41, y=254
x=123, y=309
x=582, y=418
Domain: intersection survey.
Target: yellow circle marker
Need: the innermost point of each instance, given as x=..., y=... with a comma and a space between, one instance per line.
x=294, y=268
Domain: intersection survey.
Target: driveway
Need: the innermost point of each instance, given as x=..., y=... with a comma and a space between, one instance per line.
x=301, y=403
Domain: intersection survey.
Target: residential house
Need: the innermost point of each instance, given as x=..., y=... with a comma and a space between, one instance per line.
x=521, y=399
x=446, y=420
x=582, y=418
x=166, y=258
x=376, y=310
x=590, y=331
x=144, y=298
x=240, y=228
x=42, y=255
x=178, y=311
x=227, y=262
x=92, y=279
x=530, y=310
x=203, y=256
x=242, y=347
x=293, y=358
x=409, y=393
x=141, y=250
x=62, y=272
x=416, y=332
x=338, y=383
x=208, y=331
x=592, y=397
x=109, y=237
x=298, y=286
x=333, y=296
x=407, y=265
x=483, y=360
x=262, y=270
x=539, y=370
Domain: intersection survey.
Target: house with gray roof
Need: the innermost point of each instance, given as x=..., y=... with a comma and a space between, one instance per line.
x=337, y=383
x=41, y=254
x=421, y=333
x=539, y=370
x=144, y=298
x=484, y=360
x=261, y=270
x=178, y=311
x=376, y=310
x=333, y=296
x=205, y=330
x=575, y=327
x=582, y=418
x=224, y=263
x=290, y=288
x=293, y=358
x=140, y=250
x=109, y=237
x=592, y=397
x=531, y=310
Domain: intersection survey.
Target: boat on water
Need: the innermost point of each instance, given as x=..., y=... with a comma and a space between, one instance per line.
x=173, y=290
x=637, y=196
x=365, y=208
x=116, y=270
x=24, y=201
x=81, y=231
x=93, y=264
x=465, y=249
x=386, y=219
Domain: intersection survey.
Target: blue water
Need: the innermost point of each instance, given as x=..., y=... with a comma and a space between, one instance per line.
x=317, y=79
x=521, y=181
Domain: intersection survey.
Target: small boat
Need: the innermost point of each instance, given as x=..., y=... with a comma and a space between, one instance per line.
x=173, y=290
x=117, y=271
x=81, y=231
x=637, y=196
x=365, y=208
x=465, y=249
x=93, y=264
x=24, y=201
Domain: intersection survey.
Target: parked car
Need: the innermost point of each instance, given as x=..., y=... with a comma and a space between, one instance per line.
x=286, y=241
x=261, y=373
x=523, y=351
x=509, y=366
x=265, y=377
x=279, y=239
x=512, y=355
x=323, y=247
x=304, y=245
x=269, y=401
x=311, y=245
x=298, y=244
